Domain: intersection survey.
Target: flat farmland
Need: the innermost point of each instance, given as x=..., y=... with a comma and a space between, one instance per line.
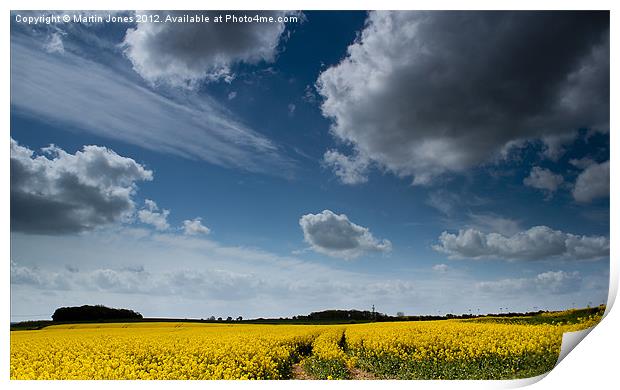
x=482, y=348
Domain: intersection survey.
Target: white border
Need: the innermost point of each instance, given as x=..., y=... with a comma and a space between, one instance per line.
x=591, y=365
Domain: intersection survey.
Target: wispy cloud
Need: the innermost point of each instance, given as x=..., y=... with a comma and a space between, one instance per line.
x=130, y=263
x=550, y=282
x=76, y=92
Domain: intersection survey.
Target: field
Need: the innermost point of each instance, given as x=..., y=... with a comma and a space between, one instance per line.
x=484, y=348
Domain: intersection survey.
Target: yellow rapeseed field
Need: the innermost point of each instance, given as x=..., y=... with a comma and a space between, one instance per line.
x=407, y=350
x=456, y=349
x=157, y=351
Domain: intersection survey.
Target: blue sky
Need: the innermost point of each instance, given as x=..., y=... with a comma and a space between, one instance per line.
x=338, y=161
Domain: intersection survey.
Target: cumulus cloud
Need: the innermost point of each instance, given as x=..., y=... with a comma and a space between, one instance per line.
x=592, y=183
x=424, y=93
x=334, y=235
x=543, y=179
x=195, y=226
x=57, y=192
x=441, y=268
x=151, y=215
x=23, y=275
x=184, y=54
x=536, y=243
x=349, y=169
x=551, y=282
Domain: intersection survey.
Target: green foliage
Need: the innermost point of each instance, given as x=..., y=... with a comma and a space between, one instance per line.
x=325, y=369
x=391, y=367
x=93, y=313
x=572, y=316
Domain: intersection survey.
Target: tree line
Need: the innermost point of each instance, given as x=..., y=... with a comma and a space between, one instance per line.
x=93, y=313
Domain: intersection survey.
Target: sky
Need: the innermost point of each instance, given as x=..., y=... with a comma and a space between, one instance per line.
x=420, y=162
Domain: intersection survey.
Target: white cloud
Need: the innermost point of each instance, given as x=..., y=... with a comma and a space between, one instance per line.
x=543, y=179
x=232, y=95
x=592, y=183
x=334, y=235
x=581, y=163
x=195, y=226
x=442, y=201
x=185, y=54
x=536, y=243
x=494, y=223
x=52, y=88
x=452, y=202
x=208, y=283
x=151, y=215
x=349, y=169
x=441, y=268
x=22, y=275
x=54, y=44
x=551, y=282
x=60, y=193
x=208, y=278
x=204, y=273
x=425, y=93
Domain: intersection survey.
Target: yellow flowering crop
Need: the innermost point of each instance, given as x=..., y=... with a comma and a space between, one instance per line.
x=463, y=349
x=157, y=351
x=483, y=348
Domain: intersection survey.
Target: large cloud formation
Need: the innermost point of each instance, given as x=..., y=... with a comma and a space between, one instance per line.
x=536, y=243
x=68, y=193
x=183, y=54
x=334, y=235
x=424, y=93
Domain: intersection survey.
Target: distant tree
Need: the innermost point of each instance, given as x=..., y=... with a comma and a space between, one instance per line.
x=240, y=318
x=212, y=318
x=229, y=318
x=400, y=314
x=219, y=318
x=93, y=313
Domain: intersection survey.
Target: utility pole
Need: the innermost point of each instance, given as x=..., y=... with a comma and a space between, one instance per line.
x=373, y=313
